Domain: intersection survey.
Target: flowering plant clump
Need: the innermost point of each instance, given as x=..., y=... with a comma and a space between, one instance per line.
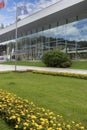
x=22, y=115
x=66, y=74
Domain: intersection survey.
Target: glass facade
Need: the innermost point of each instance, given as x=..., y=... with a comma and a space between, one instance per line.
x=69, y=37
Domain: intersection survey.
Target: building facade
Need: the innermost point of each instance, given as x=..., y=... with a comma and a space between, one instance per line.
x=62, y=25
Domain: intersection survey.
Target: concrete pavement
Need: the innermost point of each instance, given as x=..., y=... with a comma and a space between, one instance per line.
x=22, y=68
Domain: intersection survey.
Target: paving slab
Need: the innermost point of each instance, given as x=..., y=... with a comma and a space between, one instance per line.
x=22, y=68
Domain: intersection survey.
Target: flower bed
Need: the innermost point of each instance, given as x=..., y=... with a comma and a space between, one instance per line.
x=24, y=115
x=66, y=74
x=21, y=71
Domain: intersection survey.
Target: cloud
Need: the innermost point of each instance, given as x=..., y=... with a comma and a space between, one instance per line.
x=37, y=5
x=32, y=7
x=6, y=20
x=72, y=30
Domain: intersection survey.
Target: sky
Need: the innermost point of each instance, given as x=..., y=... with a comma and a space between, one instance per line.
x=8, y=13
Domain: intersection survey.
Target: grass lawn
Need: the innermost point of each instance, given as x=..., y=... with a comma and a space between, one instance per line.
x=25, y=63
x=4, y=126
x=62, y=95
x=79, y=65
x=75, y=64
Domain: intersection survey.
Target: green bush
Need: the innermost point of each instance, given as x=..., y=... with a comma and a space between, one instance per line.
x=56, y=58
x=65, y=64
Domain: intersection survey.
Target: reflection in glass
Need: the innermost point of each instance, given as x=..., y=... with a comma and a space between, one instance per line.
x=70, y=38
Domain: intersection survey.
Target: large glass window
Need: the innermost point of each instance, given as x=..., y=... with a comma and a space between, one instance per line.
x=71, y=38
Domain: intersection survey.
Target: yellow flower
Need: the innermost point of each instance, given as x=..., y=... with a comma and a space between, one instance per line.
x=24, y=128
x=50, y=128
x=59, y=124
x=33, y=117
x=27, y=114
x=73, y=122
x=77, y=125
x=51, y=122
x=16, y=126
x=22, y=113
x=25, y=124
x=39, y=127
x=54, y=124
x=42, y=123
x=82, y=128
x=51, y=113
x=59, y=129
x=18, y=119
x=13, y=117
x=68, y=127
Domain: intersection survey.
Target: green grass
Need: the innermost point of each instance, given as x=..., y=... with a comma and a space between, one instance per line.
x=62, y=95
x=75, y=64
x=4, y=126
x=25, y=63
x=79, y=65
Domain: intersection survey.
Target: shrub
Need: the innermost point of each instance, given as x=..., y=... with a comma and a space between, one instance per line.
x=66, y=64
x=56, y=58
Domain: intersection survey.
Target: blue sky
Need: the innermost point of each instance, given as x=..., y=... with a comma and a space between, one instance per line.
x=8, y=13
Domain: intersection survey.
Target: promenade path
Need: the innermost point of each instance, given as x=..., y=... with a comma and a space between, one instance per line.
x=22, y=68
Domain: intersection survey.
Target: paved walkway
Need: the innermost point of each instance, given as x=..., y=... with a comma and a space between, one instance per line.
x=12, y=68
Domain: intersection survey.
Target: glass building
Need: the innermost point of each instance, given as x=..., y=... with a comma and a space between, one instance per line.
x=62, y=25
